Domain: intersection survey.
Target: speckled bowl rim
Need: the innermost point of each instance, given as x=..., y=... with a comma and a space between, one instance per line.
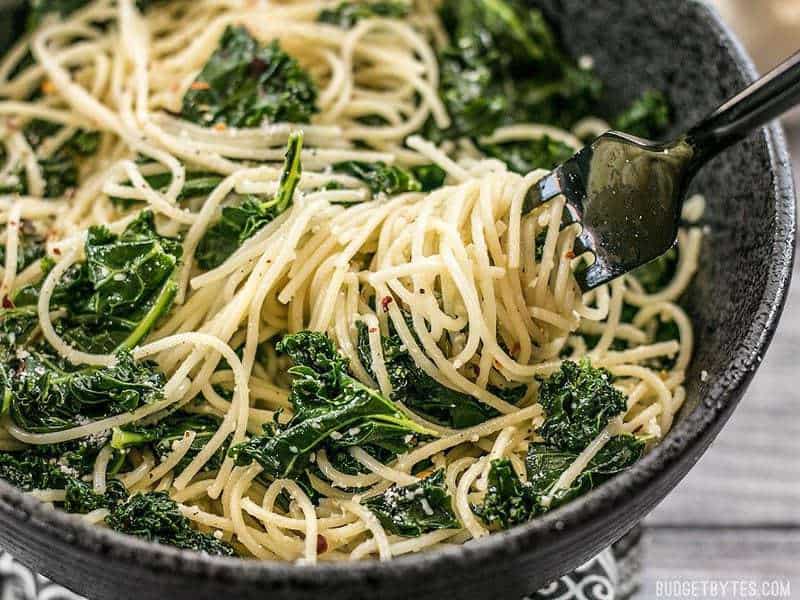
x=686, y=437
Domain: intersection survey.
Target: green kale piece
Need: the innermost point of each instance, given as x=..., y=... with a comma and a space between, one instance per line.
x=431, y=177
x=505, y=66
x=157, y=518
x=508, y=500
x=59, y=170
x=60, y=467
x=658, y=273
x=30, y=250
x=381, y=178
x=42, y=9
x=527, y=156
x=164, y=434
x=197, y=184
x=648, y=116
x=237, y=224
x=391, y=179
x=82, y=499
x=48, y=394
x=347, y=14
x=123, y=288
x=422, y=393
x=545, y=464
x=244, y=84
x=579, y=401
x=331, y=410
x=416, y=509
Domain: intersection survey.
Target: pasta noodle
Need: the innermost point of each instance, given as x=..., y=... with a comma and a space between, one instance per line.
x=479, y=294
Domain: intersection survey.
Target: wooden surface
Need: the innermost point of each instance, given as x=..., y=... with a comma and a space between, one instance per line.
x=736, y=516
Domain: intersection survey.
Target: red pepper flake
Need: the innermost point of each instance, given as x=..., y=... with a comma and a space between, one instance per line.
x=569, y=254
x=7, y=303
x=57, y=251
x=322, y=544
x=199, y=85
x=373, y=330
x=220, y=127
x=385, y=301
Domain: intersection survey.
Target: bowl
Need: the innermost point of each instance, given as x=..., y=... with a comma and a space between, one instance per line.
x=681, y=47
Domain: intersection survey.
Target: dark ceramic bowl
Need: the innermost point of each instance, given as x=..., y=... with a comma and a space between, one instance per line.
x=674, y=45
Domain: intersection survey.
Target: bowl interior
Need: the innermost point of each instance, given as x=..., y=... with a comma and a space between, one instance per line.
x=678, y=47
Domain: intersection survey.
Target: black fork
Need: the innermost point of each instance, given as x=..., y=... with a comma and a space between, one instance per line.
x=627, y=192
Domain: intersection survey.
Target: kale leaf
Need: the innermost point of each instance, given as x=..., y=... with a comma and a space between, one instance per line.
x=60, y=467
x=504, y=66
x=422, y=393
x=31, y=248
x=415, y=509
x=237, y=224
x=381, y=178
x=545, y=464
x=331, y=410
x=648, y=116
x=82, y=499
x=657, y=274
x=157, y=518
x=579, y=401
x=123, y=288
x=48, y=394
x=244, y=84
x=508, y=500
x=197, y=184
x=164, y=434
x=527, y=156
x=60, y=169
x=347, y=14
x=391, y=179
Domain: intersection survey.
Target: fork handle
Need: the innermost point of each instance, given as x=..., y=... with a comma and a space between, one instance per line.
x=764, y=100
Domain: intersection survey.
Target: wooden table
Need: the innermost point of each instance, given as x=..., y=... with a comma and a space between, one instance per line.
x=736, y=516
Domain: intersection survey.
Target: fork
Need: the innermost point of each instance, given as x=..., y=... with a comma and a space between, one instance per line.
x=627, y=192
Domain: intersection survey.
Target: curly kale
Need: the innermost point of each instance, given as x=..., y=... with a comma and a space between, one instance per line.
x=415, y=509
x=347, y=14
x=332, y=410
x=508, y=500
x=527, y=156
x=237, y=224
x=82, y=499
x=422, y=393
x=126, y=284
x=197, y=184
x=656, y=275
x=31, y=248
x=579, y=401
x=505, y=66
x=60, y=467
x=48, y=394
x=391, y=179
x=244, y=84
x=161, y=437
x=60, y=169
x=648, y=116
x=157, y=518
x=42, y=9
x=545, y=464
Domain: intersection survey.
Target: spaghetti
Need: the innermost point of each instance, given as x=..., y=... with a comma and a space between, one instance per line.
x=479, y=295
